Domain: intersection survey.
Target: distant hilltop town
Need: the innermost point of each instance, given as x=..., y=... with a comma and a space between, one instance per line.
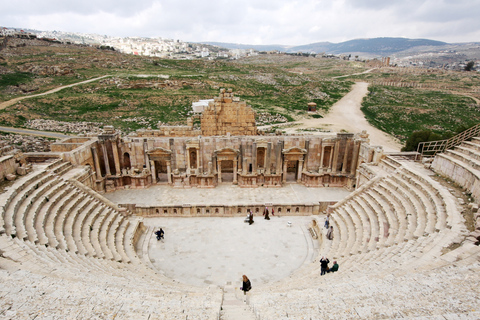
x=143, y=46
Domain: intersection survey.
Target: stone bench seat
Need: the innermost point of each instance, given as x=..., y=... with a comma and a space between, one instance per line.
x=82, y=241
x=53, y=219
x=372, y=217
x=74, y=244
x=102, y=233
x=410, y=210
x=10, y=213
x=419, y=206
x=24, y=210
x=386, y=210
x=64, y=211
x=363, y=229
x=32, y=217
x=45, y=217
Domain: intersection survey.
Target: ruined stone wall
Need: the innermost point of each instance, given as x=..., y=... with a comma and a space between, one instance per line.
x=228, y=115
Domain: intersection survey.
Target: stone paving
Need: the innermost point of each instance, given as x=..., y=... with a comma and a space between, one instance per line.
x=214, y=251
x=159, y=195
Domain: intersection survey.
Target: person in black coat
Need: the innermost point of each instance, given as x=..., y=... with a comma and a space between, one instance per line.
x=324, y=265
x=246, y=285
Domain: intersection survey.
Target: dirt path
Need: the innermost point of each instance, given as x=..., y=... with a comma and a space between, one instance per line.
x=8, y=103
x=345, y=115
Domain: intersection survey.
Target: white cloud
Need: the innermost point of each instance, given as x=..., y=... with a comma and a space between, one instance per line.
x=252, y=21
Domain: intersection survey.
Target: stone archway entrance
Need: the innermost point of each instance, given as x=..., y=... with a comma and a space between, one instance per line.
x=227, y=163
x=160, y=165
x=293, y=159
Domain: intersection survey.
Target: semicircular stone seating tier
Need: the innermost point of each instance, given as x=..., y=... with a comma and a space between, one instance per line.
x=391, y=233
x=57, y=238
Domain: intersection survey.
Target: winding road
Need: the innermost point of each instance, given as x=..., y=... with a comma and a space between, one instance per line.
x=8, y=103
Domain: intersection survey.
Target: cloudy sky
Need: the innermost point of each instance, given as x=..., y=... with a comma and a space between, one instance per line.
x=286, y=22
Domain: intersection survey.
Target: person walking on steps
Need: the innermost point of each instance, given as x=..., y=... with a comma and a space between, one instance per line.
x=327, y=221
x=246, y=285
x=330, y=233
x=324, y=265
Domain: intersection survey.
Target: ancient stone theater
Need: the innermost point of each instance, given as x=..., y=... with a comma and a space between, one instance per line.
x=77, y=225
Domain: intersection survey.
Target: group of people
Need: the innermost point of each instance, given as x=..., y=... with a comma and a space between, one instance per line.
x=266, y=213
x=160, y=234
x=324, y=266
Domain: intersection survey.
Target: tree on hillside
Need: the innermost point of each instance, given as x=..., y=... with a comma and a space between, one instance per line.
x=420, y=136
x=469, y=66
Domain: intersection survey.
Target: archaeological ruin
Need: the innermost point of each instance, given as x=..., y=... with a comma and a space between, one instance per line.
x=405, y=246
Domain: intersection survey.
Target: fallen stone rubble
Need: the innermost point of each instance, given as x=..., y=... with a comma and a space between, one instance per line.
x=267, y=118
x=23, y=143
x=63, y=126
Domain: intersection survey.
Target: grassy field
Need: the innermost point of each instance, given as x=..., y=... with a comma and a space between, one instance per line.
x=143, y=91
x=160, y=90
x=400, y=111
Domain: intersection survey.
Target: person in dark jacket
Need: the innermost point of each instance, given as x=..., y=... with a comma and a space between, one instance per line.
x=266, y=213
x=324, y=265
x=334, y=268
x=246, y=285
x=250, y=217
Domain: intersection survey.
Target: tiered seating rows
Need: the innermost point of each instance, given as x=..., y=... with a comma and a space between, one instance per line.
x=47, y=210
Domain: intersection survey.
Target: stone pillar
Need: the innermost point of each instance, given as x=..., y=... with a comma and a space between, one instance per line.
x=335, y=156
x=145, y=148
x=96, y=163
x=210, y=165
x=219, y=171
x=254, y=158
x=153, y=172
x=269, y=158
x=353, y=168
x=169, y=171
x=235, y=163
x=284, y=178
x=299, y=170
x=244, y=166
x=116, y=158
x=189, y=165
x=345, y=156
x=278, y=156
x=330, y=160
x=320, y=168
x=198, y=157
x=105, y=159
x=307, y=147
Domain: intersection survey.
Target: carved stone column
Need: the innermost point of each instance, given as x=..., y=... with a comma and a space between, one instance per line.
x=307, y=147
x=353, y=168
x=345, y=157
x=169, y=171
x=284, y=178
x=198, y=157
x=330, y=160
x=96, y=163
x=219, y=171
x=278, y=157
x=335, y=156
x=189, y=165
x=320, y=168
x=116, y=158
x=147, y=161
x=254, y=158
x=153, y=172
x=105, y=159
x=269, y=158
x=235, y=171
x=299, y=170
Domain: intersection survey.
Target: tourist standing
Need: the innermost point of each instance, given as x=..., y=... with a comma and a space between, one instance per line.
x=323, y=265
x=250, y=217
x=330, y=233
x=327, y=221
x=265, y=213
